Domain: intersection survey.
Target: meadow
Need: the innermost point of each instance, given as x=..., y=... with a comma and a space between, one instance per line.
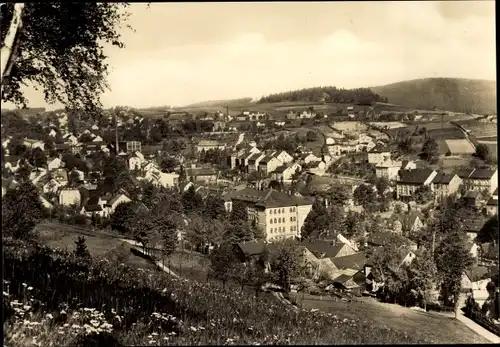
x=52, y=298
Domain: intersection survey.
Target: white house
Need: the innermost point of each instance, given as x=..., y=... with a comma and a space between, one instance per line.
x=388, y=169
x=97, y=139
x=70, y=196
x=51, y=186
x=34, y=144
x=284, y=157
x=72, y=139
x=378, y=155
x=134, y=162
x=53, y=164
x=53, y=133
x=115, y=201
x=311, y=158
x=290, y=171
x=168, y=180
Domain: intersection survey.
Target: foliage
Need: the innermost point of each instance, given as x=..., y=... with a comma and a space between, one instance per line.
x=223, y=263
x=452, y=259
x=214, y=207
x=489, y=231
x=285, y=262
x=21, y=211
x=123, y=216
x=483, y=152
x=191, y=200
x=61, y=50
x=81, y=249
x=423, y=194
x=168, y=164
x=326, y=94
x=430, y=150
x=365, y=196
x=405, y=145
x=318, y=220
x=239, y=212
x=422, y=275
x=311, y=136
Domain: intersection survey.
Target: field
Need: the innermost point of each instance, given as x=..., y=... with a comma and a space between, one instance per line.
x=99, y=243
x=448, y=133
x=313, y=145
x=396, y=317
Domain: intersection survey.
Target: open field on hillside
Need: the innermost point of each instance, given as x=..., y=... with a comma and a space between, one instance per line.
x=313, y=145
x=446, y=133
x=480, y=129
x=99, y=243
x=438, y=328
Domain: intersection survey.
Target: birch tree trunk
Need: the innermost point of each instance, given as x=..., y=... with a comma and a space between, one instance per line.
x=10, y=45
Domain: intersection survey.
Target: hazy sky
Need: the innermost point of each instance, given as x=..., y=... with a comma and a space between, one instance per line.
x=187, y=52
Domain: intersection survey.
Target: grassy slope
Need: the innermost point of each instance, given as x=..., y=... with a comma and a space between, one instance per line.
x=398, y=318
x=451, y=94
x=195, y=266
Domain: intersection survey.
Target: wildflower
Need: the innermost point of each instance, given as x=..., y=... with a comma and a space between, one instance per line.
x=26, y=307
x=49, y=316
x=193, y=329
x=30, y=288
x=24, y=285
x=6, y=294
x=76, y=326
x=63, y=312
x=151, y=342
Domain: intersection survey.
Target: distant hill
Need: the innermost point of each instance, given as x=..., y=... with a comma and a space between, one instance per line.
x=220, y=103
x=450, y=94
x=363, y=96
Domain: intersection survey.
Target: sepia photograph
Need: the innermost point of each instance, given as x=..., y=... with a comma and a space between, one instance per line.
x=249, y=173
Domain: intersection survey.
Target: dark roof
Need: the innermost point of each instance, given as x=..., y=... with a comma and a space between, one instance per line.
x=266, y=159
x=320, y=248
x=266, y=198
x=13, y=159
x=415, y=176
x=492, y=202
x=489, y=250
x=354, y=261
x=60, y=146
x=380, y=238
x=379, y=149
x=252, y=248
x=443, y=178
x=254, y=157
x=342, y=279
x=280, y=169
x=495, y=192
x=477, y=273
x=201, y=171
x=474, y=224
x=476, y=174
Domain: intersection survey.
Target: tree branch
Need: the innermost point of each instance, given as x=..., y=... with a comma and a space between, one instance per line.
x=11, y=44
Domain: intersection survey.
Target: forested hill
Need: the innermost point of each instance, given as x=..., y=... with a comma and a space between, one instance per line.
x=363, y=96
x=451, y=94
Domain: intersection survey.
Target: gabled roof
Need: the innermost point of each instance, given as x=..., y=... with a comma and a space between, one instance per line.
x=415, y=176
x=209, y=143
x=477, y=273
x=252, y=248
x=492, y=202
x=477, y=174
x=267, y=158
x=443, y=178
x=379, y=149
x=354, y=261
x=495, y=192
x=115, y=198
x=320, y=248
x=201, y=171
x=254, y=157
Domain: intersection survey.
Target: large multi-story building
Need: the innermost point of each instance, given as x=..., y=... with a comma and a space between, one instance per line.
x=409, y=181
x=480, y=180
x=278, y=214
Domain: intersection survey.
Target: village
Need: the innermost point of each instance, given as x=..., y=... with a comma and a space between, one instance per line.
x=289, y=172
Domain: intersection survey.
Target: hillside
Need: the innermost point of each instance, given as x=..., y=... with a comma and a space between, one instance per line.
x=450, y=94
x=220, y=103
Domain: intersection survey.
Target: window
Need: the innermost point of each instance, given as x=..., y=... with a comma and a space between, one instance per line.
x=271, y=221
x=283, y=210
x=291, y=219
x=275, y=221
x=291, y=209
x=279, y=211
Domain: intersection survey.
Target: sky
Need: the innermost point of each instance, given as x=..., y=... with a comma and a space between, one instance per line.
x=181, y=53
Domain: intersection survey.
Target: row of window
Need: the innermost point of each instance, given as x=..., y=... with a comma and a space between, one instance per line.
x=281, y=210
x=282, y=229
x=281, y=220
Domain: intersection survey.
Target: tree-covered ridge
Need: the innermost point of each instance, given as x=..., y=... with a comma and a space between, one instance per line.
x=327, y=94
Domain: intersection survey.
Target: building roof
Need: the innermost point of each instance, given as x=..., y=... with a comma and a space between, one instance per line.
x=489, y=250
x=254, y=157
x=209, y=143
x=472, y=194
x=115, y=198
x=443, y=178
x=267, y=198
x=477, y=174
x=280, y=169
x=267, y=158
x=252, y=248
x=354, y=261
x=415, y=176
x=459, y=146
x=495, y=192
x=477, y=273
x=389, y=163
x=320, y=248
x=492, y=202
x=379, y=149
x=201, y=171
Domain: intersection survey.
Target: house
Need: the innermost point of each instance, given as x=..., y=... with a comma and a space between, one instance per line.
x=412, y=222
x=473, y=248
x=409, y=181
x=491, y=207
x=97, y=138
x=311, y=158
x=480, y=180
x=201, y=174
x=205, y=145
x=253, y=161
x=314, y=267
x=269, y=163
x=495, y=194
x=54, y=163
x=351, y=272
x=307, y=114
x=52, y=186
x=32, y=144
x=488, y=253
x=249, y=251
x=70, y=139
x=135, y=162
x=408, y=165
x=378, y=154
x=52, y=133
x=93, y=206
x=379, y=239
x=8, y=183
x=476, y=279
x=291, y=115
x=388, y=169
x=444, y=185
x=328, y=249
x=61, y=176
x=473, y=226
x=62, y=147
x=70, y=196
x=285, y=173
x=284, y=157
x=116, y=200
x=278, y=214
x=168, y=180
x=473, y=198
x=12, y=163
